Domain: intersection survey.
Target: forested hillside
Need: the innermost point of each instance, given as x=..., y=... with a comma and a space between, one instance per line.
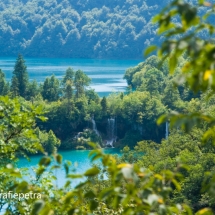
x=78, y=29
x=172, y=92
x=71, y=106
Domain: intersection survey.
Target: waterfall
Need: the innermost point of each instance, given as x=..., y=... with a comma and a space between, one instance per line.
x=140, y=129
x=78, y=135
x=167, y=130
x=94, y=126
x=111, y=132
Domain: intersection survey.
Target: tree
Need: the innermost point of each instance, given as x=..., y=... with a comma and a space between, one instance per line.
x=132, y=189
x=92, y=95
x=151, y=85
x=52, y=143
x=17, y=123
x=186, y=147
x=67, y=85
x=51, y=89
x=171, y=97
x=4, y=86
x=67, y=82
x=68, y=91
x=33, y=90
x=19, y=83
x=69, y=76
x=104, y=104
x=81, y=81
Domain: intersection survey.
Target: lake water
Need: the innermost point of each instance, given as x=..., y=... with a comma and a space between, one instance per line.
x=106, y=75
x=79, y=158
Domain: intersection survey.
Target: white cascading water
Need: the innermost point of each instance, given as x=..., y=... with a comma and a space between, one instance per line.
x=167, y=130
x=94, y=126
x=111, y=132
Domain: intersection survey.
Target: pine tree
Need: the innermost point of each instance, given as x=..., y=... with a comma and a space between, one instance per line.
x=68, y=76
x=68, y=91
x=67, y=83
x=20, y=78
x=4, y=86
x=104, y=104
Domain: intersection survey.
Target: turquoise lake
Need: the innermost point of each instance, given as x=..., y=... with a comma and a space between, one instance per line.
x=80, y=163
x=106, y=75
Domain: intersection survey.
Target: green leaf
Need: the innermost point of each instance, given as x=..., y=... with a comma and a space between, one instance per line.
x=45, y=161
x=205, y=211
x=165, y=28
x=59, y=158
x=73, y=176
x=38, y=205
x=90, y=194
x=172, y=63
x=95, y=152
x=55, y=167
x=42, y=118
x=201, y=1
x=106, y=193
x=177, y=185
x=66, y=167
x=71, y=211
x=92, y=144
x=68, y=183
x=162, y=119
x=187, y=209
x=156, y=18
x=149, y=50
x=96, y=157
x=92, y=172
x=40, y=170
x=46, y=210
x=80, y=185
x=93, y=205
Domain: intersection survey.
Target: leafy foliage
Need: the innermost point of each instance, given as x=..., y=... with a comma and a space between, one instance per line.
x=17, y=128
x=19, y=81
x=86, y=29
x=4, y=86
x=174, y=177
x=51, y=89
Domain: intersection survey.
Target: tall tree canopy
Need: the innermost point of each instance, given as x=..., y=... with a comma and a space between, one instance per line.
x=4, y=86
x=84, y=28
x=81, y=81
x=51, y=89
x=20, y=78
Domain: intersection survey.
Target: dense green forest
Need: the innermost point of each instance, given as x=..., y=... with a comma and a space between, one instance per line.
x=154, y=175
x=78, y=29
x=70, y=105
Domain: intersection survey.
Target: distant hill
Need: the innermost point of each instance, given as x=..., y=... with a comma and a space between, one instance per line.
x=78, y=28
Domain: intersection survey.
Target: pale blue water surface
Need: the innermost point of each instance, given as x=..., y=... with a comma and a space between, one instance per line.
x=106, y=75
x=79, y=159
